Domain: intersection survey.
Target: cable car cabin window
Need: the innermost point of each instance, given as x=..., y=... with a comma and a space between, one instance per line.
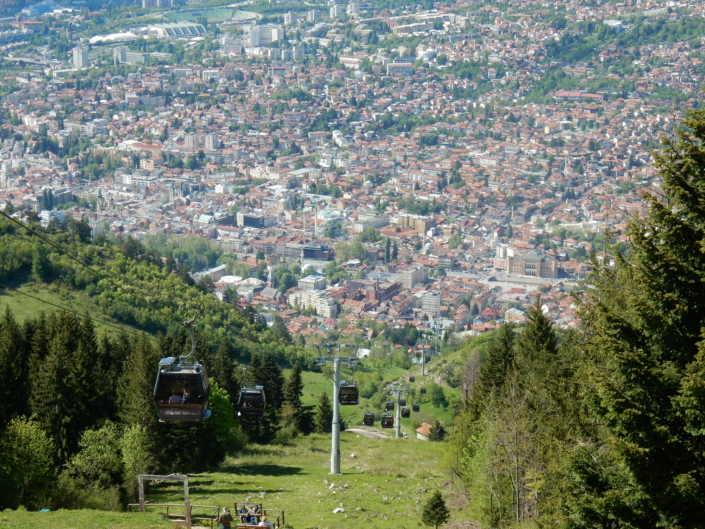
x=416, y=407
x=348, y=394
x=251, y=402
x=181, y=395
x=387, y=421
x=389, y=406
x=368, y=419
x=405, y=412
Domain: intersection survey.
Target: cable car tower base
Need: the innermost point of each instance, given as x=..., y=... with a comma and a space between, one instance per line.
x=336, y=360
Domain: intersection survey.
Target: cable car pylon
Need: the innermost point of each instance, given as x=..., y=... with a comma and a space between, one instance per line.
x=336, y=360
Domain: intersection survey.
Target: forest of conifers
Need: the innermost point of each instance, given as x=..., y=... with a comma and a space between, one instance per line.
x=600, y=427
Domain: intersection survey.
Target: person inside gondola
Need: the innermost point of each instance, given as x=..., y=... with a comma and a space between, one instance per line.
x=175, y=398
x=186, y=399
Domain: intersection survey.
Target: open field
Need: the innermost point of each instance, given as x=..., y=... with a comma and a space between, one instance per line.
x=23, y=306
x=384, y=484
x=83, y=519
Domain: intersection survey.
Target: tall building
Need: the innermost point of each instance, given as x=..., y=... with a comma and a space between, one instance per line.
x=265, y=35
x=313, y=15
x=431, y=303
x=290, y=18
x=80, y=57
x=211, y=142
x=409, y=278
x=337, y=11
x=5, y=172
x=353, y=9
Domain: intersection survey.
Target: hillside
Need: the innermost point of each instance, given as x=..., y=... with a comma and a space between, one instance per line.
x=377, y=486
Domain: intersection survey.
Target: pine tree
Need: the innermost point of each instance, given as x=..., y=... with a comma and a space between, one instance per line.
x=644, y=320
x=293, y=391
x=50, y=388
x=135, y=386
x=538, y=342
x=435, y=512
x=395, y=251
x=324, y=414
x=223, y=371
x=14, y=367
x=438, y=432
x=498, y=361
x=387, y=254
x=265, y=372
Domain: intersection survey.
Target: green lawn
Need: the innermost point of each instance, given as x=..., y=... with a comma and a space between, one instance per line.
x=83, y=519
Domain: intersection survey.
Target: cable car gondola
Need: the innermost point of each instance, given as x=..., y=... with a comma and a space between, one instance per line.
x=181, y=389
x=387, y=421
x=416, y=407
x=251, y=402
x=389, y=406
x=402, y=401
x=405, y=413
x=423, y=390
x=412, y=378
x=368, y=419
x=348, y=394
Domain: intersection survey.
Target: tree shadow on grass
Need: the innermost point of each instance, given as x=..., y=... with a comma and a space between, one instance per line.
x=261, y=470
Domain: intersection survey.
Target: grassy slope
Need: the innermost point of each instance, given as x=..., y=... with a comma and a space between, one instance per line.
x=384, y=486
x=84, y=519
x=23, y=306
x=293, y=478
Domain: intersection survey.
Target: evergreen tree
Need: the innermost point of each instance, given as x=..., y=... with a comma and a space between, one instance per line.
x=51, y=391
x=14, y=367
x=324, y=414
x=538, y=342
x=135, y=386
x=83, y=406
x=644, y=320
x=293, y=392
x=223, y=371
x=435, y=512
x=387, y=254
x=498, y=361
x=395, y=251
x=438, y=432
x=265, y=372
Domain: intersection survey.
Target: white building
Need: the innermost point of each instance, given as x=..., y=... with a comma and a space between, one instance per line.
x=431, y=303
x=312, y=283
x=80, y=57
x=265, y=34
x=337, y=11
x=324, y=306
x=353, y=9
